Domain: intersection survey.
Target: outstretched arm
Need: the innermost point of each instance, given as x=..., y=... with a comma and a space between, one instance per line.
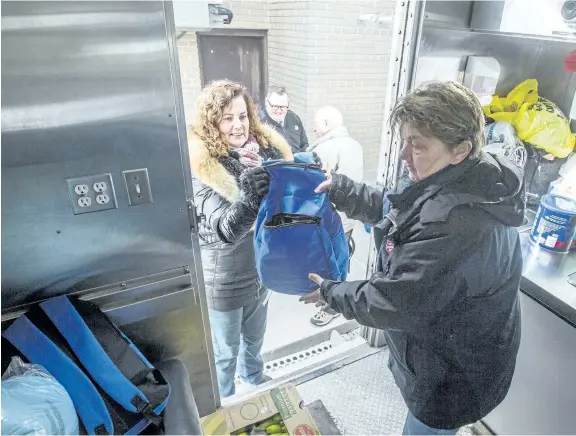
x=358, y=201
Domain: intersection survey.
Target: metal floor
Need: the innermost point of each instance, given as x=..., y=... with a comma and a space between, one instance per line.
x=362, y=397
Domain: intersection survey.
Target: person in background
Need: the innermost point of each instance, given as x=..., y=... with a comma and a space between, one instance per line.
x=278, y=115
x=341, y=154
x=227, y=144
x=450, y=263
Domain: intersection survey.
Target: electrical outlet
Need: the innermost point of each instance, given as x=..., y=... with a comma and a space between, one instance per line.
x=100, y=186
x=102, y=199
x=92, y=193
x=81, y=189
x=84, y=201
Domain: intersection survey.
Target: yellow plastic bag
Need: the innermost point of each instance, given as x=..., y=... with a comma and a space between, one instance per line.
x=537, y=121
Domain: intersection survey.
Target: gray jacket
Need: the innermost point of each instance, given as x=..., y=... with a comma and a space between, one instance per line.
x=225, y=227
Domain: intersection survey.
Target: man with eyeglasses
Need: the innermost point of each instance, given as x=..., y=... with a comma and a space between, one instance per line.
x=278, y=115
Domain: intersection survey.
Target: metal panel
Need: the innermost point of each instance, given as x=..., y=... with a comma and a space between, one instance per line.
x=85, y=92
x=93, y=88
x=531, y=18
x=519, y=58
x=542, y=398
x=455, y=14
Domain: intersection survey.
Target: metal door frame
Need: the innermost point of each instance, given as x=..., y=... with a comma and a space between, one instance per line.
x=183, y=141
x=408, y=21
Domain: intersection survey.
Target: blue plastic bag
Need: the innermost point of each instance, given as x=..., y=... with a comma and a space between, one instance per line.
x=34, y=403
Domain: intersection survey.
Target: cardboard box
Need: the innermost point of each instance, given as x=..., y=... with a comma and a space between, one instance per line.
x=283, y=400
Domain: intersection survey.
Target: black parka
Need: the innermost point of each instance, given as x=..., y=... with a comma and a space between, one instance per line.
x=446, y=289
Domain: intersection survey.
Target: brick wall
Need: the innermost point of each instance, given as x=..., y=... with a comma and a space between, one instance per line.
x=189, y=72
x=320, y=51
x=288, y=51
x=348, y=67
x=248, y=14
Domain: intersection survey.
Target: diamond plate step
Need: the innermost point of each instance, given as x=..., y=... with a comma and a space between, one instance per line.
x=314, y=355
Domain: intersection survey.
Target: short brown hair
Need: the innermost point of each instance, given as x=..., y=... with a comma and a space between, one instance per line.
x=446, y=111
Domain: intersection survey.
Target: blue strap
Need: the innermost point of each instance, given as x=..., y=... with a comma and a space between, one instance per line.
x=39, y=349
x=89, y=351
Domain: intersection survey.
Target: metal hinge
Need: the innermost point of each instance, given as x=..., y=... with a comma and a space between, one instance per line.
x=192, y=216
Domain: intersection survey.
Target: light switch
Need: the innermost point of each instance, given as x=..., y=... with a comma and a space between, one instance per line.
x=138, y=186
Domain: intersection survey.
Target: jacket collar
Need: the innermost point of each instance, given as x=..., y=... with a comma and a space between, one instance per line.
x=338, y=132
x=265, y=117
x=491, y=183
x=409, y=201
x=210, y=170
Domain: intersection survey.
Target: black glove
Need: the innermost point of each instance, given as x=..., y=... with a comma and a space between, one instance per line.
x=254, y=185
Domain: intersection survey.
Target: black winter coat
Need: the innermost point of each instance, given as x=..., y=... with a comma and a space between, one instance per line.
x=292, y=130
x=446, y=290
x=227, y=250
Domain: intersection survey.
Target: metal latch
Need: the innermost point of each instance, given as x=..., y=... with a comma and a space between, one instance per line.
x=192, y=215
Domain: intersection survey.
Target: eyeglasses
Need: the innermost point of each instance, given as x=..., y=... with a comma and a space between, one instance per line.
x=276, y=107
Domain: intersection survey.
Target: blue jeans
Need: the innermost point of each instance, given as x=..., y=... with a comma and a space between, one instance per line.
x=239, y=334
x=414, y=427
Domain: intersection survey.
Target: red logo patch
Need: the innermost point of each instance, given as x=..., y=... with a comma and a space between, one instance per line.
x=389, y=246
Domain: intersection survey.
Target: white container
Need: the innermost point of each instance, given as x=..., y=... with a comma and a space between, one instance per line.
x=481, y=76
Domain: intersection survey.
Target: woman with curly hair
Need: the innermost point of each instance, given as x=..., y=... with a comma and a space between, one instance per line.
x=227, y=144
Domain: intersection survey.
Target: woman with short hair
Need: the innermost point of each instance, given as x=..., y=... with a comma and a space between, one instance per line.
x=450, y=263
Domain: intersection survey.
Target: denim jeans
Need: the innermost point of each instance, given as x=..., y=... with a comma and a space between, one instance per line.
x=238, y=336
x=414, y=427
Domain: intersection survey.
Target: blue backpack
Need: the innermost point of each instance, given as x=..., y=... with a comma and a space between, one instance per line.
x=114, y=388
x=298, y=231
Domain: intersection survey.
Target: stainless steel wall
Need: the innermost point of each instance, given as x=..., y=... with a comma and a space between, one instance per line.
x=91, y=88
x=542, y=397
x=519, y=58
x=445, y=41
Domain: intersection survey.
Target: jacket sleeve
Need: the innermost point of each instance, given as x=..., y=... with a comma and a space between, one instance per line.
x=357, y=200
x=230, y=221
x=421, y=279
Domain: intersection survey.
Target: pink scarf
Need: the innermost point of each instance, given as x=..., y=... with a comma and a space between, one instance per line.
x=249, y=156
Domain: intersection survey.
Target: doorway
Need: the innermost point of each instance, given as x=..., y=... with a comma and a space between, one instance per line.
x=294, y=348
x=237, y=56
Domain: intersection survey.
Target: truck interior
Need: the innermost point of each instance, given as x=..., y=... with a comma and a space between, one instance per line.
x=92, y=93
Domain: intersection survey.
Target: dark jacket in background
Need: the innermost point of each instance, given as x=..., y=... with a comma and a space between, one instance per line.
x=225, y=234
x=292, y=130
x=446, y=289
